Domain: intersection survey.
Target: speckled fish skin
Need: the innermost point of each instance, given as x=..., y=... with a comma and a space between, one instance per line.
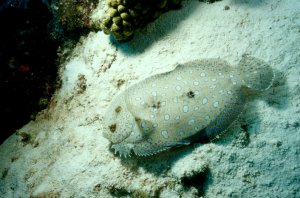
x=170, y=109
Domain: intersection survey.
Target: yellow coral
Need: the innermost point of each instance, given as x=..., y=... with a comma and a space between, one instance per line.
x=124, y=17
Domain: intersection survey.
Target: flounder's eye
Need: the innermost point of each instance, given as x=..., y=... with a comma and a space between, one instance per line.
x=113, y=128
x=118, y=109
x=137, y=119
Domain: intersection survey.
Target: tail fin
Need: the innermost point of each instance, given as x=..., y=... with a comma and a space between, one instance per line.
x=258, y=74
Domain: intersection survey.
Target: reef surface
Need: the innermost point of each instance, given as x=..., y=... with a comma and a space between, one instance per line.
x=64, y=154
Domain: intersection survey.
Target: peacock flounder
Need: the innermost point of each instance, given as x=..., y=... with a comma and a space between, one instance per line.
x=198, y=99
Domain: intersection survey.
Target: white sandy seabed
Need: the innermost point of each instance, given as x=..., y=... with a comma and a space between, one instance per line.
x=63, y=154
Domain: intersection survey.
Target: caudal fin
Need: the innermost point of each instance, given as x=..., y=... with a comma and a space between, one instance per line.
x=258, y=74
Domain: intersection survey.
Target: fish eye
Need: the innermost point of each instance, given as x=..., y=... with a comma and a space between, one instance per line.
x=118, y=109
x=113, y=128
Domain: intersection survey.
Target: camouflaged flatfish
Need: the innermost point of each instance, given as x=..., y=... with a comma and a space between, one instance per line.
x=197, y=99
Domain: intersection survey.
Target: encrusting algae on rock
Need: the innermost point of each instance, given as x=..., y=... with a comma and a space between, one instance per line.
x=196, y=100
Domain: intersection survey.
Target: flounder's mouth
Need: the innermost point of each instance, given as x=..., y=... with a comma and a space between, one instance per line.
x=115, y=138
